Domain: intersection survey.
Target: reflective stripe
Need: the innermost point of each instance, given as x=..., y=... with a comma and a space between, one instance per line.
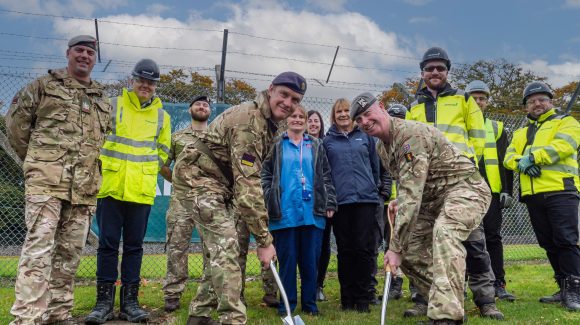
x=476, y=133
x=163, y=148
x=490, y=157
x=127, y=156
x=511, y=149
x=567, y=138
x=446, y=128
x=462, y=146
x=490, y=145
x=491, y=162
x=131, y=142
x=552, y=153
x=561, y=168
x=160, y=120
x=114, y=116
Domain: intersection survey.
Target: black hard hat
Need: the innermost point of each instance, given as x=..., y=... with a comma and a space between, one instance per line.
x=146, y=69
x=536, y=87
x=397, y=110
x=435, y=53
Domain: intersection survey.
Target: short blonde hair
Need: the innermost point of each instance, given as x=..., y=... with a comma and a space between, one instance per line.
x=301, y=108
x=341, y=102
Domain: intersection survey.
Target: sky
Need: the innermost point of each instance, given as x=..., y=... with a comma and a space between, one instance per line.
x=380, y=42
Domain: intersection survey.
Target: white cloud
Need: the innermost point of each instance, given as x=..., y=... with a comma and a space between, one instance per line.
x=422, y=20
x=558, y=74
x=67, y=7
x=328, y=5
x=156, y=9
x=417, y=2
x=347, y=29
x=573, y=3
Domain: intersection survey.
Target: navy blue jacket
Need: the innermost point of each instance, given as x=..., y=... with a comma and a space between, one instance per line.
x=354, y=165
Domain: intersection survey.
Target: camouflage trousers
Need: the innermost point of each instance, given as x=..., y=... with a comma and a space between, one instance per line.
x=221, y=282
x=434, y=259
x=180, y=225
x=268, y=282
x=56, y=234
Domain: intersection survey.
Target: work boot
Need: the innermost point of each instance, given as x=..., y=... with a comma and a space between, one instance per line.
x=271, y=300
x=571, y=293
x=500, y=291
x=419, y=309
x=490, y=311
x=413, y=291
x=320, y=294
x=104, y=308
x=130, y=309
x=171, y=304
x=201, y=320
x=557, y=296
x=362, y=307
x=396, y=290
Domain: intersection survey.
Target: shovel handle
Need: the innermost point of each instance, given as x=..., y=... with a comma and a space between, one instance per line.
x=281, y=287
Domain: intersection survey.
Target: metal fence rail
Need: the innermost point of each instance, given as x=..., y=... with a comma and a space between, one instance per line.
x=516, y=230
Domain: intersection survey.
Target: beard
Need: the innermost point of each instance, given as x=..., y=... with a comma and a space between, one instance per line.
x=199, y=116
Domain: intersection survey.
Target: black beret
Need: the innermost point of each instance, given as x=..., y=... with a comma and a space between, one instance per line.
x=84, y=40
x=291, y=80
x=361, y=103
x=202, y=98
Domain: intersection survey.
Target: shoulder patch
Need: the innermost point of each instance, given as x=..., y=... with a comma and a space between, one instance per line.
x=248, y=159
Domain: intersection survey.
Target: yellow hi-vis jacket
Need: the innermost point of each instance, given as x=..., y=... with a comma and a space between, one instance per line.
x=553, y=141
x=135, y=150
x=493, y=130
x=455, y=114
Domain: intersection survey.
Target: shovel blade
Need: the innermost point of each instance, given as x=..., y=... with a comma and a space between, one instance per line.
x=298, y=320
x=288, y=320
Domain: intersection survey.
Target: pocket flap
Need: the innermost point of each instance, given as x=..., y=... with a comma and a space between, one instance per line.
x=150, y=170
x=42, y=154
x=110, y=165
x=57, y=92
x=104, y=106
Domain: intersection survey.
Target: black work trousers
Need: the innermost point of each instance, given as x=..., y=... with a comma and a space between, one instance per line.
x=355, y=231
x=116, y=218
x=324, y=254
x=492, y=222
x=554, y=217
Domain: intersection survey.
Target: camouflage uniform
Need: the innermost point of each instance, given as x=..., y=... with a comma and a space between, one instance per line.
x=442, y=198
x=268, y=282
x=56, y=125
x=240, y=138
x=180, y=224
x=199, y=186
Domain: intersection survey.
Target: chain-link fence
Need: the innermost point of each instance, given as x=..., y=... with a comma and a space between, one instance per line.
x=517, y=231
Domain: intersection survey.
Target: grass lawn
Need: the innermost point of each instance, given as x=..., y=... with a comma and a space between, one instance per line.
x=527, y=281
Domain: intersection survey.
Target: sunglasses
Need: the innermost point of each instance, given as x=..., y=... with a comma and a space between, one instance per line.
x=439, y=68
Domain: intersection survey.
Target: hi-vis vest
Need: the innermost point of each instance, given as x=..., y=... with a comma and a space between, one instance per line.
x=553, y=141
x=493, y=130
x=455, y=114
x=135, y=150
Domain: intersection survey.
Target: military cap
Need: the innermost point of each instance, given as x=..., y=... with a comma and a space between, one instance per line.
x=361, y=103
x=84, y=40
x=291, y=80
x=202, y=98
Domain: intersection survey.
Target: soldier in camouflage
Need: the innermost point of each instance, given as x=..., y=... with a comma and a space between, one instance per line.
x=56, y=125
x=441, y=199
x=224, y=177
x=180, y=221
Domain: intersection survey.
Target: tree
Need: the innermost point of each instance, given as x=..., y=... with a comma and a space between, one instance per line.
x=238, y=91
x=400, y=93
x=179, y=87
x=563, y=95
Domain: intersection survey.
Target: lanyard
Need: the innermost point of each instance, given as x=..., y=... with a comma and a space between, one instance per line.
x=302, y=178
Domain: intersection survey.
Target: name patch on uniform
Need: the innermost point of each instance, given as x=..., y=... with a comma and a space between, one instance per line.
x=248, y=159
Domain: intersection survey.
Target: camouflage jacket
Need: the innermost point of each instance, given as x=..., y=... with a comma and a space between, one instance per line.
x=425, y=165
x=57, y=126
x=179, y=139
x=246, y=133
x=194, y=173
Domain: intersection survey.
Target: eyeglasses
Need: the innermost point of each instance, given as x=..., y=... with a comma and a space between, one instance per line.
x=439, y=68
x=541, y=100
x=144, y=81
